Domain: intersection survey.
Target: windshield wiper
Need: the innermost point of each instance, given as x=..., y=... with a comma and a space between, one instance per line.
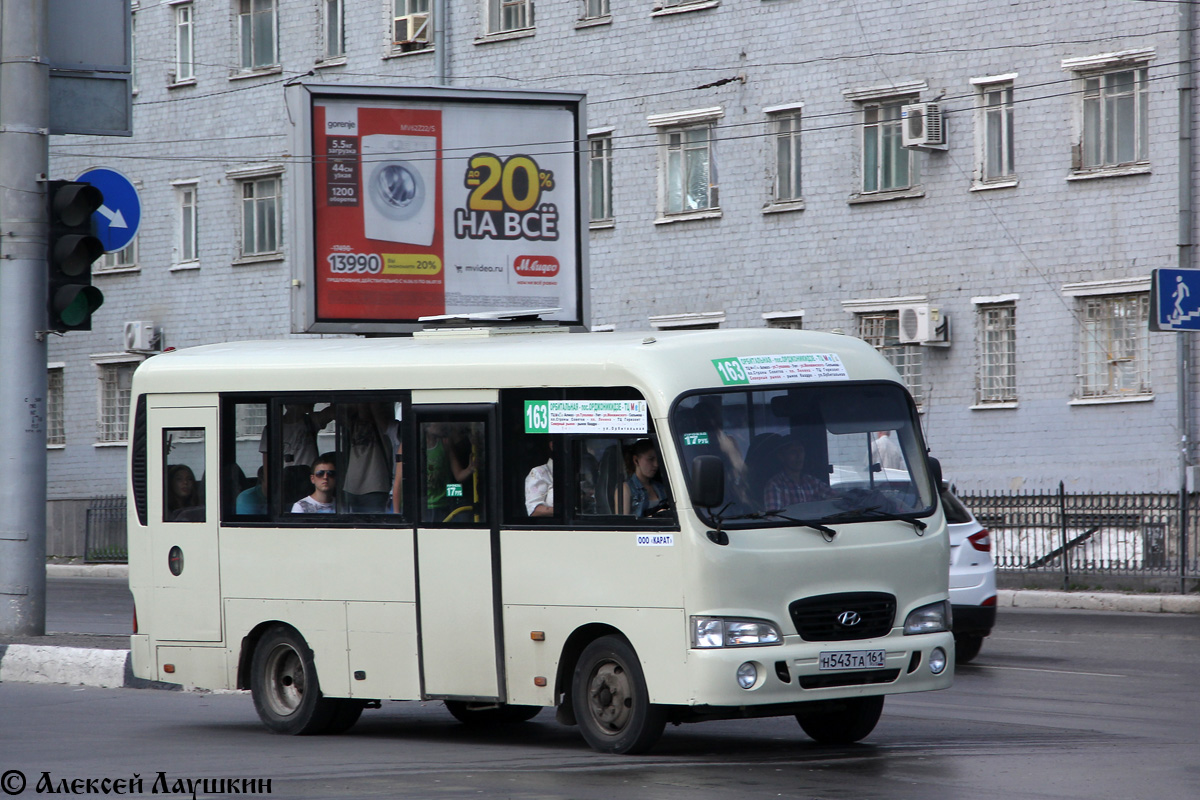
x=777, y=513
x=875, y=512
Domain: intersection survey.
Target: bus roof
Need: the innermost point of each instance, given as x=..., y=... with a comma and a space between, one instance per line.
x=661, y=363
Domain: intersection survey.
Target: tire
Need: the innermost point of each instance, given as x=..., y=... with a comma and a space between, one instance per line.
x=842, y=721
x=966, y=647
x=345, y=714
x=284, y=685
x=611, y=702
x=491, y=715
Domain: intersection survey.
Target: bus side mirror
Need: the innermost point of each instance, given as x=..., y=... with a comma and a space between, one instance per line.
x=935, y=470
x=708, y=481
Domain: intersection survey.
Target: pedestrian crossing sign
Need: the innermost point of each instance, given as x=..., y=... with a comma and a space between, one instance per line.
x=1175, y=300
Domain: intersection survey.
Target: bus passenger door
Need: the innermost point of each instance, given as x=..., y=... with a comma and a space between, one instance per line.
x=182, y=506
x=458, y=593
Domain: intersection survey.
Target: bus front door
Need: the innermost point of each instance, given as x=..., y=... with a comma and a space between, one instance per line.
x=457, y=554
x=183, y=514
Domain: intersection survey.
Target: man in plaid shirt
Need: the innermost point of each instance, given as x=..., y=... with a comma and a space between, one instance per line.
x=792, y=484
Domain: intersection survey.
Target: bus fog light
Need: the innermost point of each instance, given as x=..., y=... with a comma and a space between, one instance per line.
x=937, y=661
x=747, y=675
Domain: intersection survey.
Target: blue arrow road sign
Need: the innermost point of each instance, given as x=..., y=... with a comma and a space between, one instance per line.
x=117, y=220
x=1175, y=298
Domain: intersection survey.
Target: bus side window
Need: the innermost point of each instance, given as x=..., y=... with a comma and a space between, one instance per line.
x=183, y=489
x=245, y=474
x=538, y=485
x=370, y=444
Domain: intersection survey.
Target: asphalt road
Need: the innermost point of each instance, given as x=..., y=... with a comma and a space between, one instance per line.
x=1059, y=705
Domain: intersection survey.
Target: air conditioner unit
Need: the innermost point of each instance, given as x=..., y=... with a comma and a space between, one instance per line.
x=411, y=28
x=142, y=336
x=915, y=323
x=922, y=125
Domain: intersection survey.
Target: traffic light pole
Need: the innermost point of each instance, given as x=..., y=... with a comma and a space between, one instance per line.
x=24, y=161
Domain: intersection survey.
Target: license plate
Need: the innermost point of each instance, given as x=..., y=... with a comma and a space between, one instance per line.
x=851, y=659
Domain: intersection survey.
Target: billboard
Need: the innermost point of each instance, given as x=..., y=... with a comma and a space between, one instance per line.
x=420, y=203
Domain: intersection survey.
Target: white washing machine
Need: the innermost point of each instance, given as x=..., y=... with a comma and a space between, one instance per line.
x=401, y=203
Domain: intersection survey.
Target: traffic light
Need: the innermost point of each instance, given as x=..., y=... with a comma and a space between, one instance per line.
x=72, y=248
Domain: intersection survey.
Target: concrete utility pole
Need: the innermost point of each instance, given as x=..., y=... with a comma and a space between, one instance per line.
x=24, y=160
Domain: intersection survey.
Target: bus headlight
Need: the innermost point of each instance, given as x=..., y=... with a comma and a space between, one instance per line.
x=932, y=618
x=729, y=632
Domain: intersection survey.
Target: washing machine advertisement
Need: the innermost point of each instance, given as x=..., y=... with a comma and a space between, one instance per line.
x=436, y=208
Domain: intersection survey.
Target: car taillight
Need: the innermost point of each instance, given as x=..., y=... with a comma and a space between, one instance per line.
x=991, y=601
x=981, y=541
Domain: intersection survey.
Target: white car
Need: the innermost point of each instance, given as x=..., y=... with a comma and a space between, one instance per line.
x=972, y=578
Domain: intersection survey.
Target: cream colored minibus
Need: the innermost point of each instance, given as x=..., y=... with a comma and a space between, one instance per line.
x=629, y=528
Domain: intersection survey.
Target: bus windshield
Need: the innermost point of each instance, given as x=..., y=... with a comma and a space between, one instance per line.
x=816, y=455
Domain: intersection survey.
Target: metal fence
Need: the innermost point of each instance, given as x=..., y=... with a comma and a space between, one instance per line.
x=105, y=535
x=1082, y=537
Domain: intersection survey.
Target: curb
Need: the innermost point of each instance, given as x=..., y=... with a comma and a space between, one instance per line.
x=87, y=571
x=1099, y=601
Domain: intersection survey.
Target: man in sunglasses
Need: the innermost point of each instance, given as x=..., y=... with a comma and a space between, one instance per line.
x=324, y=480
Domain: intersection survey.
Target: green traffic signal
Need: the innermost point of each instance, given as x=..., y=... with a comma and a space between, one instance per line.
x=72, y=249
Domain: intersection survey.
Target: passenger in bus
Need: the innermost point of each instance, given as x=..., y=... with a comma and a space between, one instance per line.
x=885, y=451
x=184, y=496
x=299, y=433
x=324, y=481
x=539, y=488
x=253, y=501
x=642, y=493
x=792, y=484
x=368, y=478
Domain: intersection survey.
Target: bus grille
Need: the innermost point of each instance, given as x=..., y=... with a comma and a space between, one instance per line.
x=825, y=618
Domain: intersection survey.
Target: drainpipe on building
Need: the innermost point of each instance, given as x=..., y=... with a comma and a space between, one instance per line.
x=1185, y=261
x=440, y=25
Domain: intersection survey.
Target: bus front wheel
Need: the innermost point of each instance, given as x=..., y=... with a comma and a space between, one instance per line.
x=612, y=704
x=283, y=683
x=842, y=721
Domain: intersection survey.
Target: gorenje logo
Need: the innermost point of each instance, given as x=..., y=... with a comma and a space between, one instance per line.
x=536, y=266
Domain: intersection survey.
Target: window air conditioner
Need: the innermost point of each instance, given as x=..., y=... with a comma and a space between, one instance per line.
x=412, y=28
x=142, y=336
x=922, y=126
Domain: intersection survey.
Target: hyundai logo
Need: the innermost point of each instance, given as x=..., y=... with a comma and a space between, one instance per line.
x=848, y=619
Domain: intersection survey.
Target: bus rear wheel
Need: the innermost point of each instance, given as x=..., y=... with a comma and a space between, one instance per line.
x=284, y=685
x=842, y=721
x=490, y=714
x=611, y=702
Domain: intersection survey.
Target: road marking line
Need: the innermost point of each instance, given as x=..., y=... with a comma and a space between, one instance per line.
x=1056, y=671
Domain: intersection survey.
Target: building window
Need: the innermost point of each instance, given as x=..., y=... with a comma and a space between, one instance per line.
x=261, y=201
x=1115, y=119
x=600, y=158
x=881, y=330
x=335, y=43
x=126, y=258
x=56, y=432
x=256, y=19
x=785, y=320
x=509, y=15
x=133, y=50
x=187, y=250
x=886, y=164
x=410, y=24
x=785, y=131
x=688, y=169
x=997, y=378
x=996, y=128
x=692, y=321
x=595, y=9
x=185, y=64
x=116, y=379
x=1114, y=346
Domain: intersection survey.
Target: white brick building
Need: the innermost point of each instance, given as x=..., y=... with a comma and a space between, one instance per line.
x=756, y=178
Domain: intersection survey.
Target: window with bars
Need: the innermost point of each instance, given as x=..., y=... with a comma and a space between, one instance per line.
x=116, y=381
x=886, y=164
x=996, y=109
x=56, y=432
x=256, y=29
x=600, y=158
x=785, y=130
x=509, y=15
x=1114, y=346
x=261, y=199
x=881, y=330
x=997, y=378
x=1116, y=127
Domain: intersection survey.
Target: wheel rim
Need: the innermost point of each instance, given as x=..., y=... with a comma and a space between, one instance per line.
x=610, y=697
x=285, y=680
